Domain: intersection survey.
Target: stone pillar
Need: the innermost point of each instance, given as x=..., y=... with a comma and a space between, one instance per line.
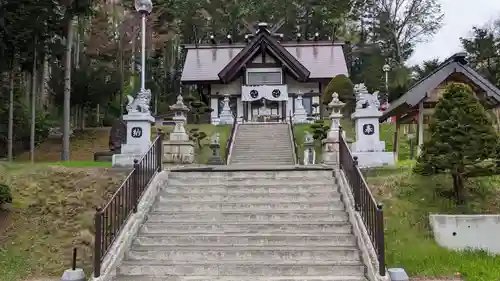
x=226, y=116
x=309, y=150
x=331, y=143
x=179, y=148
x=300, y=113
x=214, y=115
x=368, y=147
x=138, y=139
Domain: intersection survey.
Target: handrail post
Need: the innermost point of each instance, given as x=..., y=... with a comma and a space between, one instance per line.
x=135, y=184
x=159, y=149
x=97, y=242
x=356, y=185
x=380, y=239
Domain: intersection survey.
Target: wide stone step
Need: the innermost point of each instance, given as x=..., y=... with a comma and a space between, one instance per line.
x=248, y=255
x=270, y=216
x=239, y=175
x=248, y=155
x=261, y=160
x=251, y=206
x=264, y=143
x=267, y=133
x=159, y=268
x=249, y=198
x=257, y=152
x=246, y=240
x=251, y=181
x=244, y=159
x=200, y=188
x=238, y=278
x=261, y=228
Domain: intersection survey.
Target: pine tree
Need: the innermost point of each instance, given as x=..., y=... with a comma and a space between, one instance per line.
x=462, y=138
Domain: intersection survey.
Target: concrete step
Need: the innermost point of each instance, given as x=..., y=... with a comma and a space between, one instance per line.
x=262, y=228
x=276, y=161
x=247, y=255
x=283, y=141
x=238, y=278
x=200, y=188
x=239, y=175
x=249, y=198
x=159, y=268
x=242, y=159
x=268, y=216
x=257, y=153
x=247, y=240
x=262, y=152
x=242, y=182
x=251, y=140
x=250, y=207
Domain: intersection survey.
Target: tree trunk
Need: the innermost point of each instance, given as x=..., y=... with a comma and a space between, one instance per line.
x=458, y=187
x=44, y=100
x=33, y=105
x=10, y=133
x=67, y=91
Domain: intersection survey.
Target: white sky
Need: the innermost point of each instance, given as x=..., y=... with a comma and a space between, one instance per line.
x=459, y=18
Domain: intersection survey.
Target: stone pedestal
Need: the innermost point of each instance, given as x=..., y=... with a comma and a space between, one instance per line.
x=226, y=116
x=179, y=149
x=300, y=113
x=368, y=147
x=138, y=139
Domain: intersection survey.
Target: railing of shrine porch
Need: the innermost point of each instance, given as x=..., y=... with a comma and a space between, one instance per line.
x=371, y=212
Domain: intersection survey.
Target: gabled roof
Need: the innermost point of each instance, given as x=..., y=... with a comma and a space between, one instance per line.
x=324, y=60
x=455, y=64
x=263, y=43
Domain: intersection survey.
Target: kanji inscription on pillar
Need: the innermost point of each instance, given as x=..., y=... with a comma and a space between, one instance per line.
x=136, y=132
x=368, y=129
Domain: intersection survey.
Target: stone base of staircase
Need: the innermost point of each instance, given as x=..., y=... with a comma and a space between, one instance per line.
x=246, y=223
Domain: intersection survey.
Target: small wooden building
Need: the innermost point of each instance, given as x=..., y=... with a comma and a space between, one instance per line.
x=416, y=105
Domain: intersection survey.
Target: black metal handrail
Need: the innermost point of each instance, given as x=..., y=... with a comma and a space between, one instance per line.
x=229, y=143
x=371, y=212
x=110, y=219
x=295, y=148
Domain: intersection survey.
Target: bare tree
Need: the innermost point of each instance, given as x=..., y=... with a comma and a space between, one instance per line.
x=404, y=23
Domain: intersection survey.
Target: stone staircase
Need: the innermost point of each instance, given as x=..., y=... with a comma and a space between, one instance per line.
x=235, y=225
x=262, y=143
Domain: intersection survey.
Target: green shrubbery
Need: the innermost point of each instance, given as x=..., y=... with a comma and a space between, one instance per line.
x=5, y=195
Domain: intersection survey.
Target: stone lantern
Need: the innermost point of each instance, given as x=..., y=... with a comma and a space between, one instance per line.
x=331, y=143
x=179, y=148
x=335, y=106
x=215, y=159
x=180, y=111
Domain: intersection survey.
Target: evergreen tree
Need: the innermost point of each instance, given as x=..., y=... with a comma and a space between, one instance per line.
x=462, y=138
x=341, y=85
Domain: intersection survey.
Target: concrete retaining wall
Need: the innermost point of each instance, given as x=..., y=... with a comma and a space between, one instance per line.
x=460, y=232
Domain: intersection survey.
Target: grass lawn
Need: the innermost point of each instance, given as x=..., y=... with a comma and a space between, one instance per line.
x=386, y=134
x=82, y=147
x=52, y=212
x=84, y=144
x=408, y=199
